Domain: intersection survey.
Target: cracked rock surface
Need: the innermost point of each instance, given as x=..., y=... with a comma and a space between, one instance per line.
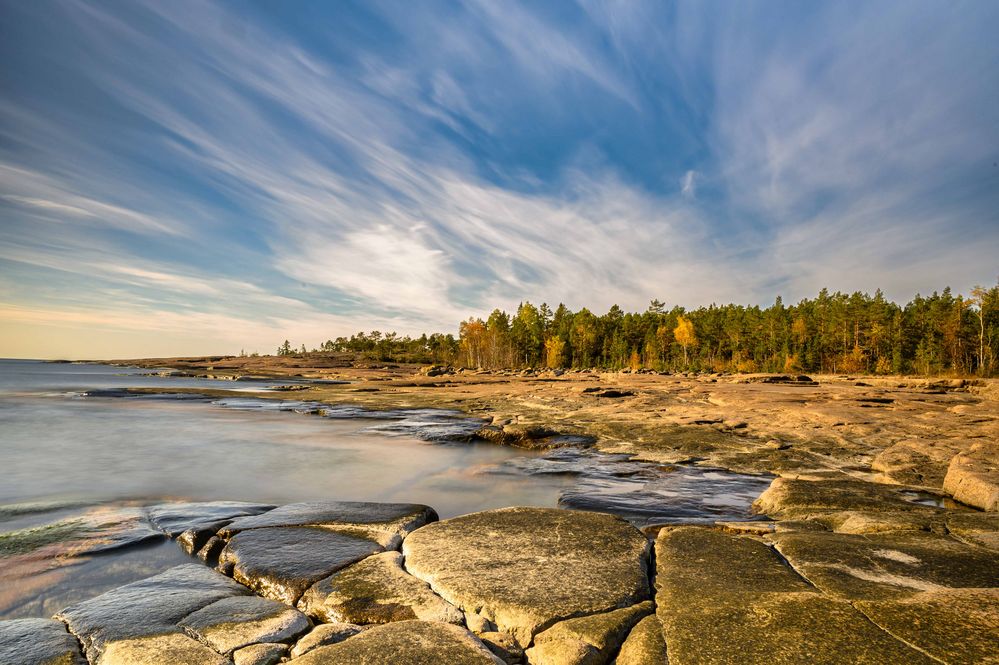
x=523, y=569
x=847, y=574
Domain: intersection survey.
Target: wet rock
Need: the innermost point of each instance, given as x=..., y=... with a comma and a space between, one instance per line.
x=645, y=644
x=411, y=642
x=37, y=641
x=210, y=551
x=282, y=562
x=233, y=623
x=173, y=648
x=973, y=476
x=94, y=529
x=376, y=590
x=176, y=518
x=887, y=566
x=527, y=568
x=504, y=646
x=260, y=654
x=323, y=635
x=732, y=599
x=959, y=626
x=386, y=523
x=152, y=606
x=589, y=640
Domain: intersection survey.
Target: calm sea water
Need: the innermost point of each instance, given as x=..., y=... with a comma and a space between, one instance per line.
x=57, y=443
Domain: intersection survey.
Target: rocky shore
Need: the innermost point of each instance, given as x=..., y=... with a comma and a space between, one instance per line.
x=346, y=583
x=877, y=540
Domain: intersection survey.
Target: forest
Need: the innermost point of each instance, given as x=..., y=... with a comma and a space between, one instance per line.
x=940, y=334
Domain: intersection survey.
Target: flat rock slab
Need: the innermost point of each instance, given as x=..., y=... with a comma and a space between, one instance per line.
x=323, y=635
x=173, y=648
x=260, y=654
x=175, y=518
x=282, y=562
x=38, y=642
x=410, y=642
x=973, y=476
x=731, y=599
x=645, y=644
x=387, y=523
x=376, y=590
x=789, y=498
x=149, y=607
x=589, y=640
x=959, y=626
x=233, y=623
x=526, y=568
x=887, y=565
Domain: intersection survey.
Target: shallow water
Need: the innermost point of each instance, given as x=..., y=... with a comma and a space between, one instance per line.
x=70, y=435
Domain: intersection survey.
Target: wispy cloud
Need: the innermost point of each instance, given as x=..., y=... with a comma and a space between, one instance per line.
x=249, y=171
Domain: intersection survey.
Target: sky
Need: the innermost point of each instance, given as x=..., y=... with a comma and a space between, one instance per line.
x=182, y=178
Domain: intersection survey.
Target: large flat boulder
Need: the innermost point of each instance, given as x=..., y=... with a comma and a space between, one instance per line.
x=148, y=608
x=525, y=569
x=792, y=498
x=386, y=523
x=239, y=621
x=282, y=562
x=38, y=642
x=973, y=476
x=957, y=626
x=410, y=642
x=886, y=566
x=731, y=599
x=376, y=590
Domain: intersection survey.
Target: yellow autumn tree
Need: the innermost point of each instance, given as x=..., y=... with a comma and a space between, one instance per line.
x=685, y=335
x=554, y=346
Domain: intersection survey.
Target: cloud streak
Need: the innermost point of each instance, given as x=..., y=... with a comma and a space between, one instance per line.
x=250, y=171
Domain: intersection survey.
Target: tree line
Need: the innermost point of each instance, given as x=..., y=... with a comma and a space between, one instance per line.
x=836, y=332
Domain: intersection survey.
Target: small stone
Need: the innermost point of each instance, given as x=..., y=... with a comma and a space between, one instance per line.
x=233, y=623
x=645, y=644
x=478, y=623
x=504, y=645
x=376, y=590
x=324, y=634
x=260, y=654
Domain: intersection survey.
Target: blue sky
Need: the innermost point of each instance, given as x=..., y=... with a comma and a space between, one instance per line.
x=180, y=177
